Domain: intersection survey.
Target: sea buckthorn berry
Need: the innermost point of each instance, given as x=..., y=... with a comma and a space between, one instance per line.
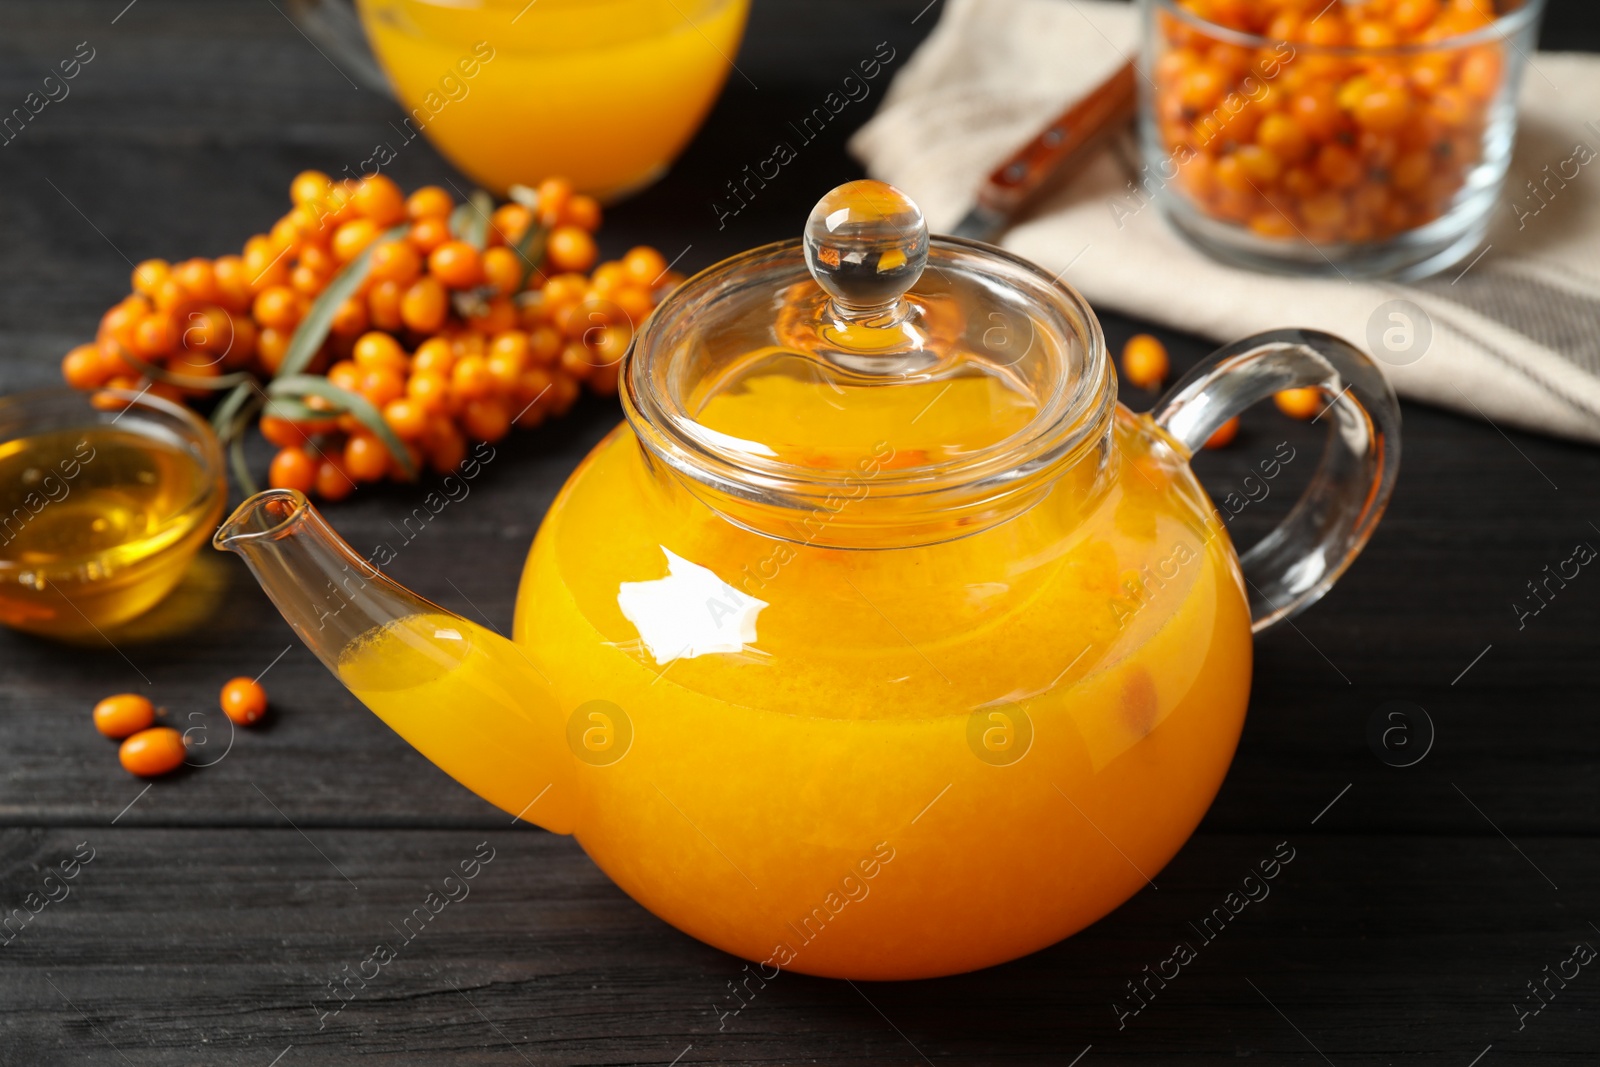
x=233, y=284
x=307, y=281
x=502, y=268
x=352, y=238
x=292, y=468
x=564, y=289
x=1329, y=31
x=265, y=265
x=644, y=265
x=495, y=315
x=583, y=212
x=554, y=195
x=577, y=360
x=365, y=457
x=351, y=317
x=120, y=319
x=113, y=356
x=406, y=417
x=469, y=343
x=544, y=344
x=1338, y=166
x=381, y=385
x=470, y=378
x=1412, y=15
x=243, y=701
x=1224, y=435
x=634, y=303
x=532, y=384
x=379, y=199
x=397, y=261
x=610, y=343
x=1481, y=72
x=433, y=356
x=198, y=278
x=82, y=368
x=1382, y=108
x=1299, y=403
x=333, y=482
x=425, y=305
x=570, y=249
x=430, y=201
x=1324, y=212
x=456, y=265
x=346, y=375
x=1283, y=137
x=279, y=307
x=1371, y=33
x=429, y=391
x=608, y=277
x=271, y=346
x=446, y=447
x=124, y=715
x=511, y=222
x=208, y=329
x=1144, y=362
x=376, y=349
x=153, y=752
x=383, y=306
x=564, y=392
x=155, y=336
x=285, y=234
x=505, y=368
x=309, y=187
x=170, y=296
x=149, y=275
x=510, y=342
x=485, y=419
x=428, y=233
x=281, y=432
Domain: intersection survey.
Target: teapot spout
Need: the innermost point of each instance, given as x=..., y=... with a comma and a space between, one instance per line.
x=466, y=698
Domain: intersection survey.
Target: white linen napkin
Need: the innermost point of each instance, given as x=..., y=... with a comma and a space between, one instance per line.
x=1515, y=334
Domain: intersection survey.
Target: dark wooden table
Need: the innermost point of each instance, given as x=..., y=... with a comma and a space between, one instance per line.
x=221, y=903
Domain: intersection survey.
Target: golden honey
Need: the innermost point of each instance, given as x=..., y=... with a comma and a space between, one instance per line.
x=96, y=525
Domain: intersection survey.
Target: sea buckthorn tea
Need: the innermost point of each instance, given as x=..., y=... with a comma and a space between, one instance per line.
x=1367, y=138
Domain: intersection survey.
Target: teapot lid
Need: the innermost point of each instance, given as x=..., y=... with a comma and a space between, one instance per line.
x=868, y=349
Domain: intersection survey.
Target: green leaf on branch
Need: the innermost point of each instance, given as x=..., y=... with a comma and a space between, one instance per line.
x=298, y=386
x=184, y=381
x=313, y=329
x=227, y=411
x=470, y=221
x=530, y=249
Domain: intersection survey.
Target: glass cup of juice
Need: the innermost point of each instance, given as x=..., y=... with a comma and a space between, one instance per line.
x=603, y=92
x=104, y=498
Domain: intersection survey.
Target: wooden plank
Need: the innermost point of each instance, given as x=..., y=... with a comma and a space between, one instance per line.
x=177, y=942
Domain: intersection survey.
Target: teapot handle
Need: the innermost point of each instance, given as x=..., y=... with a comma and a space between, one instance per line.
x=1295, y=564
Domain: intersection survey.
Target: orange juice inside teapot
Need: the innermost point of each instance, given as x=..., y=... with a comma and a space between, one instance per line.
x=879, y=641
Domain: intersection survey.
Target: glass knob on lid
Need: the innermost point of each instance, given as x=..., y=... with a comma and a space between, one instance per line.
x=866, y=244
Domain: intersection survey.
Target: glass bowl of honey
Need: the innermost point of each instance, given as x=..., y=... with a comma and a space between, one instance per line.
x=1336, y=139
x=104, y=499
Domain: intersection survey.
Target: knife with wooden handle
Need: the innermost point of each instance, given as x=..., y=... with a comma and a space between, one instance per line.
x=1066, y=140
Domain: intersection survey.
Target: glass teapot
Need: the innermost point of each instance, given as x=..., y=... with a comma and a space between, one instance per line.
x=880, y=641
